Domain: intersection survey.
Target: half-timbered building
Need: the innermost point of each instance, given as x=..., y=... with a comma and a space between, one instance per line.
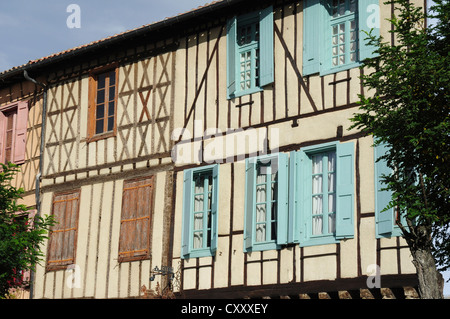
x=210, y=155
x=21, y=101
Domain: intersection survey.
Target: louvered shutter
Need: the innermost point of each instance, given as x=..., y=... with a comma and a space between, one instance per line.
x=2, y=136
x=231, y=56
x=134, y=243
x=63, y=236
x=266, y=46
x=369, y=19
x=345, y=191
x=294, y=199
x=215, y=208
x=20, y=133
x=282, y=199
x=384, y=218
x=303, y=192
x=250, y=182
x=312, y=28
x=187, y=208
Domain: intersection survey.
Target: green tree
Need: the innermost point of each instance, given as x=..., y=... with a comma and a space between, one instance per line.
x=20, y=236
x=408, y=110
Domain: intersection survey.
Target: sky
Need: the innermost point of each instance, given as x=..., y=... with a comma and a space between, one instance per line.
x=31, y=29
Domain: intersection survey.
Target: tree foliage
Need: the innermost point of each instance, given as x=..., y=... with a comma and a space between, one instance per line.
x=20, y=235
x=408, y=110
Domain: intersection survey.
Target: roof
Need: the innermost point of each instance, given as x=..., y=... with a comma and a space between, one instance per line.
x=189, y=16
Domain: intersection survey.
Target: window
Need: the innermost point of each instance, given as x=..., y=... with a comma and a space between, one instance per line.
x=385, y=219
x=63, y=236
x=249, y=52
x=13, y=132
x=103, y=100
x=344, y=32
x=322, y=193
x=266, y=202
x=135, y=224
x=200, y=209
x=333, y=34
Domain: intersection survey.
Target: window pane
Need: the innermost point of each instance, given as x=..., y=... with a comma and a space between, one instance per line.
x=332, y=223
x=352, y=6
x=273, y=233
x=331, y=203
x=317, y=164
x=111, y=108
x=100, y=96
x=260, y=233
x=261, y=193
x=111, y=123
x=100, y=111
x=99, y=126
x=198, y=240
x=260, y=213
x=335, y=61
x=198, y=203
x=101, y=81
x=198, y=221
x=317, y=205
x=317, y=225
x=112, y=93
x=112, y=78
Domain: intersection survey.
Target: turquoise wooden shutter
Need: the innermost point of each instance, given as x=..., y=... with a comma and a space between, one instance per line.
x=303, y=186
x=282, y=198
x=345, y=191
x=250, y=182
x=187, y=207
x=312, y=31
x=369, y=19
x=383, y=218
x=231, y=56
x=293, y=231
x=215, y=209
x=266, y=62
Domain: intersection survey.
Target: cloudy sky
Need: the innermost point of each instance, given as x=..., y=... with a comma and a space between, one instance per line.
x=31, y=29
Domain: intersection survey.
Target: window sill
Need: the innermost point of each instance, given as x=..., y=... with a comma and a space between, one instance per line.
x=317, y=241
x=100, y=136
x=262, y=247
x=340, y=68
x=199, y=253
x=123, y=259
x=246, y=92
x=60, y=266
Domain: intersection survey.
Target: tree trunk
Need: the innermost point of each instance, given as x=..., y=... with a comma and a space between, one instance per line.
x=431, y=282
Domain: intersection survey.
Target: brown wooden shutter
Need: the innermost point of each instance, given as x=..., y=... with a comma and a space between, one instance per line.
x=63, y=236
x=135, y=224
